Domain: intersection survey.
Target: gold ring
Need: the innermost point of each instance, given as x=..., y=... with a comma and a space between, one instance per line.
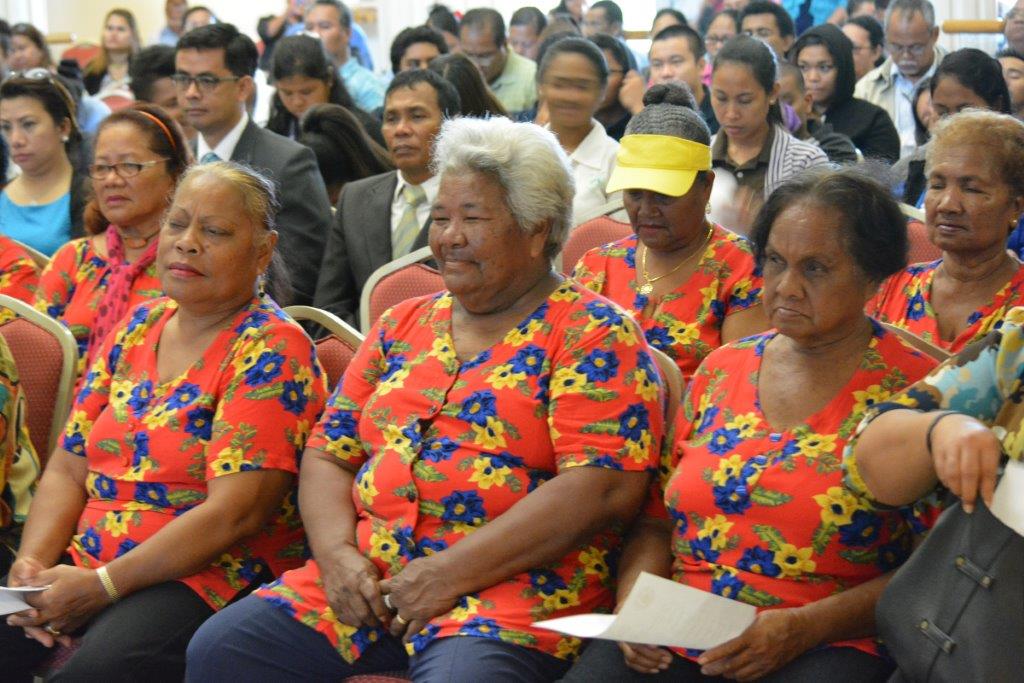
x=400, y=620
x=51, y=630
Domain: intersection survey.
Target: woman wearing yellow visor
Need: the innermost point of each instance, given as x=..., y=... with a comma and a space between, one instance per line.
x=691, y=285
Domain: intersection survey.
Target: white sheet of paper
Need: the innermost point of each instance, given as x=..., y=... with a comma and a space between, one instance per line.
x=659, y=611
x=1008, y=501
x=11, y=598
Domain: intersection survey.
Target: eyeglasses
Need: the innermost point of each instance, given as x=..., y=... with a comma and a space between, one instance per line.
x=717, y=40
x=823, y=69
x=124, y=169
x=915, y=50
x=205, y=82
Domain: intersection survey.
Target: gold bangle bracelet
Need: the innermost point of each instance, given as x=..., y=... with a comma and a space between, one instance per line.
x=108, y=584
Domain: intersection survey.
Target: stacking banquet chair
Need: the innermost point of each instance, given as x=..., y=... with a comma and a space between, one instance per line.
x=921, y=248
x=394, y=282
x=335, y=350
x=593, y=229
x=46, y=356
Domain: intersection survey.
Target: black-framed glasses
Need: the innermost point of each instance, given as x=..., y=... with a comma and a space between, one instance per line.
x=124, y=169
x=205, y=82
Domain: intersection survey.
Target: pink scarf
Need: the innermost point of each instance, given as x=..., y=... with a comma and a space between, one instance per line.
x=114, y=305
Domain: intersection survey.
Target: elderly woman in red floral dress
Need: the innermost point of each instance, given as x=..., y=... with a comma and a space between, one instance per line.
x=475, y=469
x=172, y=493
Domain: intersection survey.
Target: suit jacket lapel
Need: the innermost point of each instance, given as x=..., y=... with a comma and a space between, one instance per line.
x=247, y=143
x=377, y=228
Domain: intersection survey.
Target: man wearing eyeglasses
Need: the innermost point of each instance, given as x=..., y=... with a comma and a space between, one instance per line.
x=910, y=37
x=510, y=77
x=214, y=67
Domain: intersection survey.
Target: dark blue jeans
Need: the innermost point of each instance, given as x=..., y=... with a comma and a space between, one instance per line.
x=254, y=641
x=603, y=661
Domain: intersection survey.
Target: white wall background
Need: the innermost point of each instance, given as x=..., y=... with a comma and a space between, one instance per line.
x=84, y=17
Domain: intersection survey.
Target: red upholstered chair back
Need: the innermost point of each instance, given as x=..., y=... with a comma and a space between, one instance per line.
x=117, y=102
x=46, y=356
x=83, y=53
x=404, y=283
x=593, y=233
x=336, y=350
x=921, y=248
x=334, y=355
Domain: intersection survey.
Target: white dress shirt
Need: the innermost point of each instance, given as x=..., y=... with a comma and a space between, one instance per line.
x=226, y=147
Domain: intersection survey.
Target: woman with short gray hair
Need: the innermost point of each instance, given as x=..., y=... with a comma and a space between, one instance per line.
x=458, y=488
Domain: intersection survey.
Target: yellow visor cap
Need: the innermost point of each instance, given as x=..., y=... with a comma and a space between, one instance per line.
x=659, y=163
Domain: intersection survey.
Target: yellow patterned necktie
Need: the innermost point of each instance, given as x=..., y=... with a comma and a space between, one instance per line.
x=409, y=226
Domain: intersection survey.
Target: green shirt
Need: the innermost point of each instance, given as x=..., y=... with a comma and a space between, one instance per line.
x=516, y=86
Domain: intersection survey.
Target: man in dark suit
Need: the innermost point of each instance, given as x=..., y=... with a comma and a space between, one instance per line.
x=386, y=216
x=214, y=66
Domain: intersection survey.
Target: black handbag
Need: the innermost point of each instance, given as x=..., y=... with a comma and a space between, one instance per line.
x=955, y=610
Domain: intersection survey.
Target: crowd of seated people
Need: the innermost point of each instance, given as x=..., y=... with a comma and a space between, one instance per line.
x=506, y=450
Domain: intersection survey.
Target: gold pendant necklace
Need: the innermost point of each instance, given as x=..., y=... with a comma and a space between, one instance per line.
x=647, y=287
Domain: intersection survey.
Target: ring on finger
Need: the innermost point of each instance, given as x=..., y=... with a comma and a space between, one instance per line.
x=387, y=603
x=400, y=620
x=51, y=630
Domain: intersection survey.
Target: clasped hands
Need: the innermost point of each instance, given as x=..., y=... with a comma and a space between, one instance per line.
x=74, y=597
x=359, y=597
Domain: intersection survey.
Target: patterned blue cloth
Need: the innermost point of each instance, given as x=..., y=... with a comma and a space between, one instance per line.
x=366, y=89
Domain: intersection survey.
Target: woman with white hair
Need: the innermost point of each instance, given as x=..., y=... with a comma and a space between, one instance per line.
x=420, y=487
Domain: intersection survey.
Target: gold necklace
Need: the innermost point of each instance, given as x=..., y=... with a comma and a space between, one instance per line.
x=648, y=285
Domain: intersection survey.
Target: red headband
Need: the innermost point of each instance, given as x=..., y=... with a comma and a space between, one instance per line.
x=163, y=127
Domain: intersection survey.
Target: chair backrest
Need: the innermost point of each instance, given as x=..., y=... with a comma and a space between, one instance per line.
x=593, y=233
x=46, y=355
x=921, y=248
x=926, y=347
x=83, y=53
x=38, y=257
x=674, y=385
x=395, y=282
x=335, y=350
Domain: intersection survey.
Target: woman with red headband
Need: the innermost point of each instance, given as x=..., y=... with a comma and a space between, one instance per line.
x=92, y=282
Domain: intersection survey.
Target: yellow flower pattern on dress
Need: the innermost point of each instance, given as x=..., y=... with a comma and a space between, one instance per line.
x=152, y=447
x=760, y=514
x=443, y=446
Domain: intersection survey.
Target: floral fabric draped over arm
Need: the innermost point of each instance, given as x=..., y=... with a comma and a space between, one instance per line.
x=19, y=462
x=985, y=381
x=19, y=275
x=442, y=447
x=153, y=443
x=904, y=300
x=687, y=323
x=72, y=285
x=760, y=514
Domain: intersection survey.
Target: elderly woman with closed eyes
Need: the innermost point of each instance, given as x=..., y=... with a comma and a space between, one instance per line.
x=460, y=485
x=172, y=493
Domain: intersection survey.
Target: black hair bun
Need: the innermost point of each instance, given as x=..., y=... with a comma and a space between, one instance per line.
x=678, y=94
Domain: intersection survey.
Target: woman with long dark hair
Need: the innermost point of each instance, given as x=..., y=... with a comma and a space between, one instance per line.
x=303, y=77
x=107, y=73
